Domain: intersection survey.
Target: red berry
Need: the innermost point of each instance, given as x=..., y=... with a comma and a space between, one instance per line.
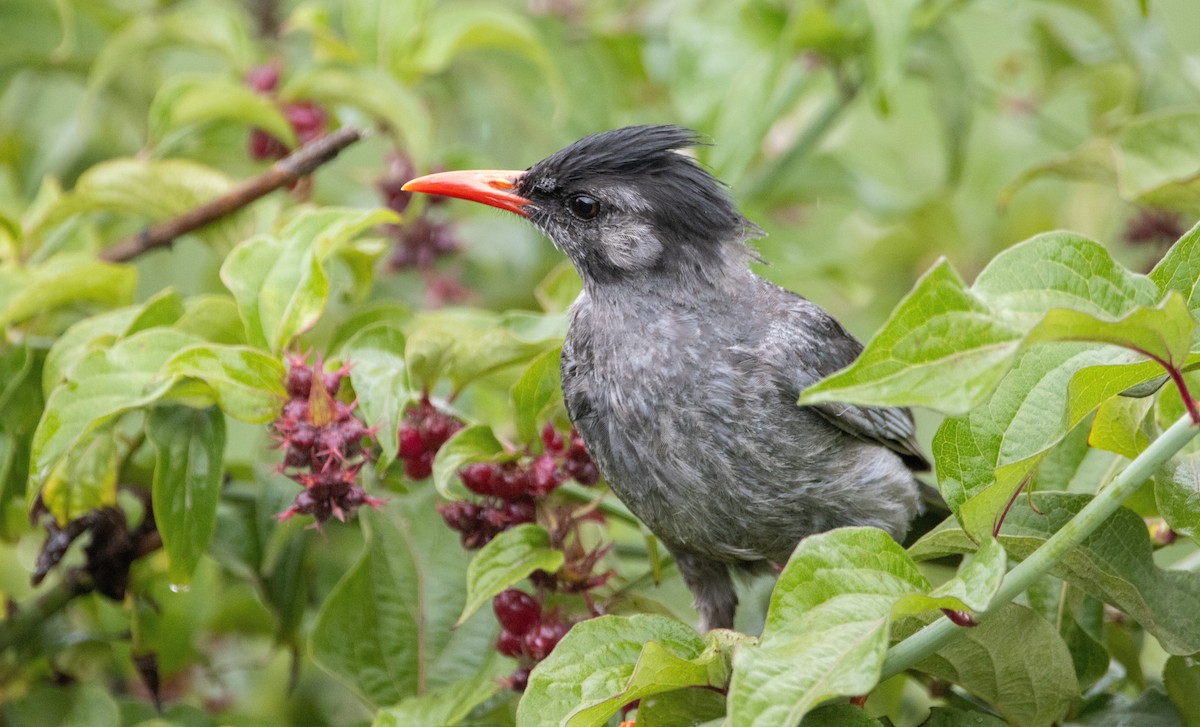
x=551, y=439
x=299, y=382
x=479, y=477
x=419, y=467
x=585, y=473
x=307, y=118
x=517, y=611
x=461, y=516
x=542, y=639
x=263, y=147
x=519, y=511
x=512, y=483
x=519, y=679
x=509, y=644
x=297, y=457
x=294, y=410
x=411, y=444
x=543, y=475
x=264, y=78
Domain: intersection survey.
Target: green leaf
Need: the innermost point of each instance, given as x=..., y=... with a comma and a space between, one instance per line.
x=506, y=559
x=1162, y=333
x=535, y=391
x=371, y=91
x=1181, y=677
x=1030, y=680
x=1117, y=426
x=103, y=329
x=475, y=443
x=380, y=381
x=940, y=329
x=840, y=715
x=559, y=289
x=105, y=383
x=444, y=707
x=386, y=628
x=60, y=281
x=1157, y=158
x=1179, y=269
x=827, y=627
x=189, y=100
x=84, y=479
x=247, y=383
x=1092, y=161
x=464, y=344
x=947, y=347
x=280, y=283
x=155, y=189
x=1114, y=564
x=1177, y=493
x=604, y=663
x=690, y=706
x=189, y=445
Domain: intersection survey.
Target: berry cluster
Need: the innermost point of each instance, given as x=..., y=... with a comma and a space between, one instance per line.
x=307, y=119
x=528, y=632
x=422, y=433
x=420, y=241
x=322, y=441
x=510, y=489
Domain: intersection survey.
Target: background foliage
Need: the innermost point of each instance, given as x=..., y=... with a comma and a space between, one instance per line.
x=869, y=139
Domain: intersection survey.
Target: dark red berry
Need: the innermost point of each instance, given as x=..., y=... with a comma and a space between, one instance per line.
x=299, y=382
x=519, y=679
x=419, y=467
x=294, y=410
x=519, y=511
x=512, y=483
x=479, y=477
x=509, y=644
x=297, y=457
x=411, y=444
x=264, y=147
x=461, y=515
x=551, y=439
x=307, y=118
x=542, y=639
x=517, y=611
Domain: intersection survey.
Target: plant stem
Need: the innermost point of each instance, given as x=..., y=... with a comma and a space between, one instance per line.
x=804, y=144
x=608, y=505
x=291, y=168
x=928, y=640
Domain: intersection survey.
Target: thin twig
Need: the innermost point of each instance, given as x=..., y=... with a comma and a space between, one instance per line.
x=291, y=168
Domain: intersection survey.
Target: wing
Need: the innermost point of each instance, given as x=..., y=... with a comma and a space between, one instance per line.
x=805, y=344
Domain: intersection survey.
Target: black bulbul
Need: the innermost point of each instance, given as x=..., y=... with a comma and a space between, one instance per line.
x=682, y=367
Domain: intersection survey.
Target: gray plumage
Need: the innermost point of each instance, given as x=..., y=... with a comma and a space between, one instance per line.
x=682, y=367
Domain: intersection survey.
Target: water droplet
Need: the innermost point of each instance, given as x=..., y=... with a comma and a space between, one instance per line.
x=179, y=588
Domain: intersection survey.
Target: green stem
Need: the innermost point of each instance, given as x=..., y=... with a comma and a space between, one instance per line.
x=928, y=640
x=608, y=505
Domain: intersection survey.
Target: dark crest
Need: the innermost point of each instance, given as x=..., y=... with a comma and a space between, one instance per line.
x=687, y=203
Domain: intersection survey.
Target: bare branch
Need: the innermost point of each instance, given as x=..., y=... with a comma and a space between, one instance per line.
x=291, y=168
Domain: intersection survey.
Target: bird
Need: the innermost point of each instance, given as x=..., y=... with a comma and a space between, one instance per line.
x=682, y=367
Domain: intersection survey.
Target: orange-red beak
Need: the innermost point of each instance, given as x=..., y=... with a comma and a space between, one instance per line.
x=488, y=186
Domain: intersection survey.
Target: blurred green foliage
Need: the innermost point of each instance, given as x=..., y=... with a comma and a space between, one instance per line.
x=866, y=138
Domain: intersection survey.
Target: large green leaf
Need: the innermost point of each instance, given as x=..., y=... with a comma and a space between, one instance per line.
x=1158, y=159
x=247, y=383
x=84, y=479
x=828, y=624
x=506, y=559
x=190, y=448
x=380, y=379
x=604, y=663
x=462, y=344
x=444, y=707
x=1115, y=564
x=280, y=283
x=1177, y=493
x=1029, y=680
x=186, y=101
x=62, y=280
x=104, y=384
x=386, y=629
x=537, y=389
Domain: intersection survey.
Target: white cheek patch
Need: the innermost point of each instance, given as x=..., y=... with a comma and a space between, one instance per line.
x=632, y=247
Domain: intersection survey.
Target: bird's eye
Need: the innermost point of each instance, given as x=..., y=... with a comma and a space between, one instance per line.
x=583, y=206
